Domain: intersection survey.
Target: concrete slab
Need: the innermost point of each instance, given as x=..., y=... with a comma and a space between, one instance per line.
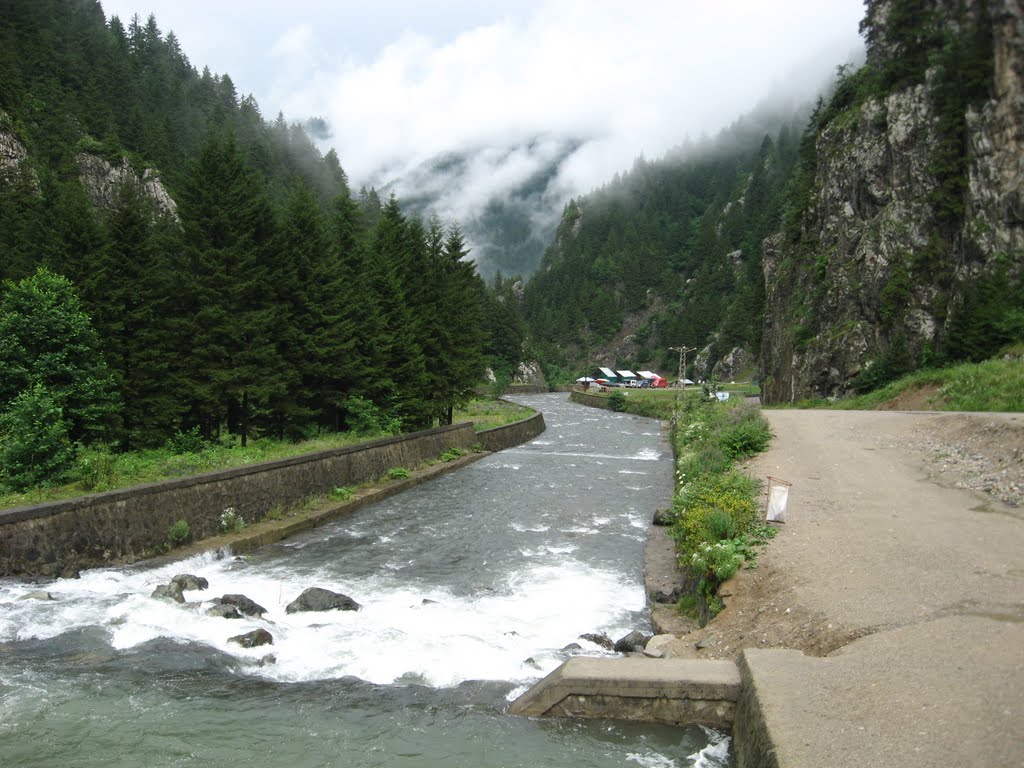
x=948, y=692
x=636, y=688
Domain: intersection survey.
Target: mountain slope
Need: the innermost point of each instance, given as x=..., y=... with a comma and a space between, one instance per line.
x=905, y=243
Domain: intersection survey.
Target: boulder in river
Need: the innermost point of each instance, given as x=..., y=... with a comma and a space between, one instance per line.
x=320, y=599
x=189, y=582
x=39, y=595
x=223, y=610
x=634, y=642
x=244, y=604
x=253, y=639
x=170, y=591
x=601, y=639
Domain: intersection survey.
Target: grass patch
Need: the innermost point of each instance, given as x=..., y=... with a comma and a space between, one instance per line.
x=486, y=413
x=98, y=468
x=992, y=385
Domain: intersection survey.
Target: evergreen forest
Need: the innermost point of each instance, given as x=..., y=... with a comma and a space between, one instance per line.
x=230, y=282
x=668, y=253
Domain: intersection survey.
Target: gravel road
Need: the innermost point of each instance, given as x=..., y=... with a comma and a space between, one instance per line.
x=894, y=518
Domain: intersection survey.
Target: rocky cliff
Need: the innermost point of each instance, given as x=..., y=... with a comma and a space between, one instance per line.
x=915, y=195
x=103, y=182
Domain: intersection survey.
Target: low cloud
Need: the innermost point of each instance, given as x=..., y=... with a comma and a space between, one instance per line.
x=393, y=85
x=636, y=80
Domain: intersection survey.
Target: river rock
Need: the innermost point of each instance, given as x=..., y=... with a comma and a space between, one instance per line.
x=663, y=517
x=601, y=639
x=39, y=595
x=189, y=582
x=572, y=648
x=633, y=642
x=223, y=610
x=170, y=591
x=253, y=639
x=244, y=604
x=320, y=599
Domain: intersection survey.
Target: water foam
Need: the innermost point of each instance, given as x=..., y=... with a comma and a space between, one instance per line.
x=403, y=632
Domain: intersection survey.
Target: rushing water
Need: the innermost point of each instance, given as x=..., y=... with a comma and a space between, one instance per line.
x=470, y=586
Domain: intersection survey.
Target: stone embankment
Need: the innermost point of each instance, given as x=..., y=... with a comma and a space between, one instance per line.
x=129, y=524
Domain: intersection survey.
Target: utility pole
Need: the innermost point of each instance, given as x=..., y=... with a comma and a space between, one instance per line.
x=682, y=362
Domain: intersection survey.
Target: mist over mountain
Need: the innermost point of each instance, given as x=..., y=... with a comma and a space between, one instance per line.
x=508, y=200
x=509, y=192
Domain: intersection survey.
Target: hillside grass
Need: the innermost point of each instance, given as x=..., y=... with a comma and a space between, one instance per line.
x=992, y=385
x=98, y=469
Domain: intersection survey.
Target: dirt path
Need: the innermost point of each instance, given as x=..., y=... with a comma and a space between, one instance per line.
x=878, y=534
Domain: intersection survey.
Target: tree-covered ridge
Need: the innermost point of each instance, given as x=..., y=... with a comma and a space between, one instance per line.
x=668, y=252
x=273, y=301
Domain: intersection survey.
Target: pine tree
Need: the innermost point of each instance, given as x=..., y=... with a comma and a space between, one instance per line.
x=399, y=354
x=128, y=289
x=461, y=361
x=233, y=365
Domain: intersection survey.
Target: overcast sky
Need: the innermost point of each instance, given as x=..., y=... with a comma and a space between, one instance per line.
x=399, y=81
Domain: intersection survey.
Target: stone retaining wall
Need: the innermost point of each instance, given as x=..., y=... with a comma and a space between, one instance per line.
x=594, y=401
x=520, y=432
x=124, y=525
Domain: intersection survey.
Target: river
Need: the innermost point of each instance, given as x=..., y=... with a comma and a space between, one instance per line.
x=470, y=585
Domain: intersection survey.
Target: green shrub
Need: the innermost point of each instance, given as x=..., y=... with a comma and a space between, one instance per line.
x=365, y=418
x=178, y=533
x=453, y=453
x=342, y=493
x=704, y=459
x=747, y=433
x=719, y=561
x=687, y=605
x=95, y=467
x=703, y=503
x=185, y=442
x=397, y=473
x=231, y=521
x=617, y=401
x=34, y=446
x=720, y=524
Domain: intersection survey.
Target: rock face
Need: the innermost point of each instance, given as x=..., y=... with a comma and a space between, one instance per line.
x=529, y=373
x=878, y=265
x=103, y=182
x=12, y=157
x=319, y=599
